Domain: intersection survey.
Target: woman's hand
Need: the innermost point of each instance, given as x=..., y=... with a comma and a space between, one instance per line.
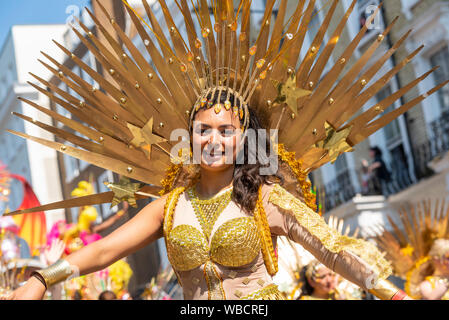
x=33, y=289
x=55, y=252
x=429, y=292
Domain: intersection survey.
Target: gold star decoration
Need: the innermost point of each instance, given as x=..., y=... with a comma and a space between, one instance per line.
x=289, y=93
x=335, y=142
x=144, y=138
x=124, y=191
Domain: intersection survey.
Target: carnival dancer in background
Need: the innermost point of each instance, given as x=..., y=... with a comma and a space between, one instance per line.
x=227, y=191
x=319, y=283
x=419, y=248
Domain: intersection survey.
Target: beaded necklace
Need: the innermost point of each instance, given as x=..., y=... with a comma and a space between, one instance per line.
x=207, y=211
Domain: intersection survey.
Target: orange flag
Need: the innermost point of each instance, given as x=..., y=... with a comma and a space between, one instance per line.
x=33, y=227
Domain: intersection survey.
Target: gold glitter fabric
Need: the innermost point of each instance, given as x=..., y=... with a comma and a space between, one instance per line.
x=329, y=237
x=269, y=256
x=235, y=243
x=187, y=248
x=214, y=282
x=208, y=211
x=270, y=292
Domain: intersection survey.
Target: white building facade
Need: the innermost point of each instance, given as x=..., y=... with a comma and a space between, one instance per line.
x=36, y=163
x=412, y=142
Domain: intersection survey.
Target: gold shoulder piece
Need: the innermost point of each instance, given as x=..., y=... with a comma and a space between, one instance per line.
x=329, y=237
x=269, y=256
x=169, y=209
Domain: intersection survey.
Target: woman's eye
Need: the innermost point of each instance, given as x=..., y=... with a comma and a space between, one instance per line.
x=201, y=131
x=228, y=132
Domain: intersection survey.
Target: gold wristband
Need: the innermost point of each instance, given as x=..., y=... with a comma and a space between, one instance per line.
x=384, y=290
x=57, y=272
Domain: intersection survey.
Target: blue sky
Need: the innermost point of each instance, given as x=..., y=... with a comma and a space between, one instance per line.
x=35, y=12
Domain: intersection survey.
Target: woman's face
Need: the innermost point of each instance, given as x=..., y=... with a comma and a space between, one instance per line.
x=215, y=138
x=324, y=280
x=442, y=263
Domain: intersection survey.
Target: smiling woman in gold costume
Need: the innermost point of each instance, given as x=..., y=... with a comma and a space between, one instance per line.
x=221, y=216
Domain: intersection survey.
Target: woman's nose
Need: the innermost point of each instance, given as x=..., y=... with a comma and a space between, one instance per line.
x=214, y=137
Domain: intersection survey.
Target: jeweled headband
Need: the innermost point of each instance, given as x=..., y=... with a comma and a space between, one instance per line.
x=238, y=105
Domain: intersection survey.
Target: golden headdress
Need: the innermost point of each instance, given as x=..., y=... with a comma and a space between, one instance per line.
x=125, y=124
x=410, y=247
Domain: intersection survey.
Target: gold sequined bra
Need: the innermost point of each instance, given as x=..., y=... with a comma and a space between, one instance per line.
x=235, y=243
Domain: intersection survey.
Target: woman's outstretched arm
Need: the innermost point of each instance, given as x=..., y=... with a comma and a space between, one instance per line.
x=138, y=232
x=356, y=260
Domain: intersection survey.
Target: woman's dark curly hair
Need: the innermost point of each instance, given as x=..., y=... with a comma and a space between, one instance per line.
x=247, y=177
x=306, y=288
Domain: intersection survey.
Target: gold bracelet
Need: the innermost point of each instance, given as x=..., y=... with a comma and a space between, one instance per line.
x=384, y=290
x=57, y=272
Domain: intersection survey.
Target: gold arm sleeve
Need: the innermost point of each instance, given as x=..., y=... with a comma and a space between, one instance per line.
x=384, y=290
x=355, y=259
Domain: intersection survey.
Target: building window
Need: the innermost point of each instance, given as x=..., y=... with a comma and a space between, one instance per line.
x=60, y=109
x=71, y=166
x=341, y=164
x=441, y=58
x=106, y=210
x=392, y=130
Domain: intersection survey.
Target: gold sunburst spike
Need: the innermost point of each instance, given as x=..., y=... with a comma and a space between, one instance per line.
x=290, y=50
x=383, y=121
x=90, y=103
x=90, y=200
x=275, y=40
x=400, y=235
x=289, y=93
x=364, y=97
x=155, y=87
x=210, y=39
x=99, y=99
x=125, y=190
x=335, y=142
x=312, y=53
x=181, y=48
x=293, y=53
x=276, y=34
x=111, y=146
x=355, y=70
x=341, y=90
x=108, y=87
x=308, y=120
x=352, y=105
x=321, y=63
x=110, y=62
x=144, y=138
x=126, y=73
x=314, y=116
x=293, y=39
x=262, y=38
x=159, y=61
x=99, y=120
x=66, y=105
x=197, y=57
x=72, y=138
x=74, y=125
x=117, y=166
x=364, y=118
